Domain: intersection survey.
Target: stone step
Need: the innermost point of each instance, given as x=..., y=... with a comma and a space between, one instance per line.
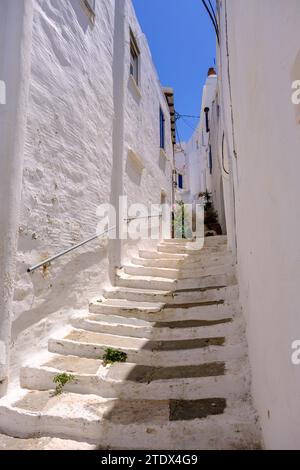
x=176, y=253
x=182, y=273
x=190, y=250
x=137, y=382
x=144, y=282
x=42, y=443
x=144, y=424
x=202, y=261
x=159, y=331
x=216, y=310
x=115, y=306
x=216, y=241
x=160, y=283
x=208, y=241
x=157, y=263
x=175, y=241
x=152, y=272
x=154, y=254
x=141, y=351
x=209, y=294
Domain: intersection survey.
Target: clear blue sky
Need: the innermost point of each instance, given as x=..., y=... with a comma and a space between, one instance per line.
x=183, y=45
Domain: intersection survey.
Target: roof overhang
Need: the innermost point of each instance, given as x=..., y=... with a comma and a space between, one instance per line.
x=169, y=94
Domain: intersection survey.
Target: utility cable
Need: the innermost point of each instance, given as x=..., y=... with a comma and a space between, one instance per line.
x=212, y=17
x=188, y=125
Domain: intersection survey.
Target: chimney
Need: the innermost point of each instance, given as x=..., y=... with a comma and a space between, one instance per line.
x=211, y=72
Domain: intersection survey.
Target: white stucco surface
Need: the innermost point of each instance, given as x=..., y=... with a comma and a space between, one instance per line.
x=73, y=161
x=264, y=61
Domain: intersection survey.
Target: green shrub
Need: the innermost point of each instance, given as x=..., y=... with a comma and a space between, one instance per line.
x=61, y=380
x=112, y=356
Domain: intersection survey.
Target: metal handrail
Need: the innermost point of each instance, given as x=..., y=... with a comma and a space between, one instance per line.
x=74, y=247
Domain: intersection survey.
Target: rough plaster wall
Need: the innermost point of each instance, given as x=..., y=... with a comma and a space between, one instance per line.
x=68, y=162
x=218, y=164
x=267, y=194
x=196, y=147
x=67, y=168
x=182, y=167
x=142, y=133
x=193, y=151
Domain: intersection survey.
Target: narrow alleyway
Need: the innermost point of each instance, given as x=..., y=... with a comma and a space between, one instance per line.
x=186, y=381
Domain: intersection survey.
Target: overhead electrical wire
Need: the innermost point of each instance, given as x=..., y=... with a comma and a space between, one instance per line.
x=188, y=125
x=212, y=17
x=189, y=116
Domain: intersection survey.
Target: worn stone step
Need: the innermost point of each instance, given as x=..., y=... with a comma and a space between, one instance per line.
x=132, y=382
x=42, y=443
x=155, y=272
x=159, y=331
x=175, y=241
x=115, y=306
x=157, y=263
x=144, y=282
x=144, y=424
x=160, y=283
x=191, y=250
x=210, y=310
x=154, y=254
x=185, y=272
x=92, y=345
x=209, y=294
x=200, y=261
x=215, y=241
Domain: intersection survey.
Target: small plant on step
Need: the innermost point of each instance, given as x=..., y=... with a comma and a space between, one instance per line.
x=61, y=380
x=111, y=356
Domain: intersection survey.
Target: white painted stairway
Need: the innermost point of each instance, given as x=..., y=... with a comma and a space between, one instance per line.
x=186, y=382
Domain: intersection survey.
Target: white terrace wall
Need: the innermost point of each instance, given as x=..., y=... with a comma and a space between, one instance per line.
x=264, y=61
x=84, y=115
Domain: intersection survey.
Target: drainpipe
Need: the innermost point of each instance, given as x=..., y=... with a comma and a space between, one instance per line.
x=15, y=66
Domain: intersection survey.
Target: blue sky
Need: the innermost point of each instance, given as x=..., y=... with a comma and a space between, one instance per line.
x=183, y=45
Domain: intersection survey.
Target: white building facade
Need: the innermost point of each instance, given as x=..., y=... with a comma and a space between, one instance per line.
x=256, y=130
x=202, y=157
x=85, y=108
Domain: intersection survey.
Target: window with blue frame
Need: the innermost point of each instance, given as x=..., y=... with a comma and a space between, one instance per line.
x=162, y=128
x=180, y=181
x=134, y=59
x=210, y=160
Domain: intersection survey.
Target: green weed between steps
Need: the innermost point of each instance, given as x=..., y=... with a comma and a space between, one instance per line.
x=61, y=380
x=111, y=356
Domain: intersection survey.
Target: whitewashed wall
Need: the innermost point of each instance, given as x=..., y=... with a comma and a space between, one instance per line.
x=264, y=60
x=220, y=172
x=142, y=125
x=197, y=148
x=183, y=168
x=70, y=164
x=15, y=58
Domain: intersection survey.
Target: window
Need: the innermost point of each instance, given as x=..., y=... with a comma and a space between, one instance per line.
x=180, y=181
x=162, y=128
x=210, y=162
x=134, y=58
